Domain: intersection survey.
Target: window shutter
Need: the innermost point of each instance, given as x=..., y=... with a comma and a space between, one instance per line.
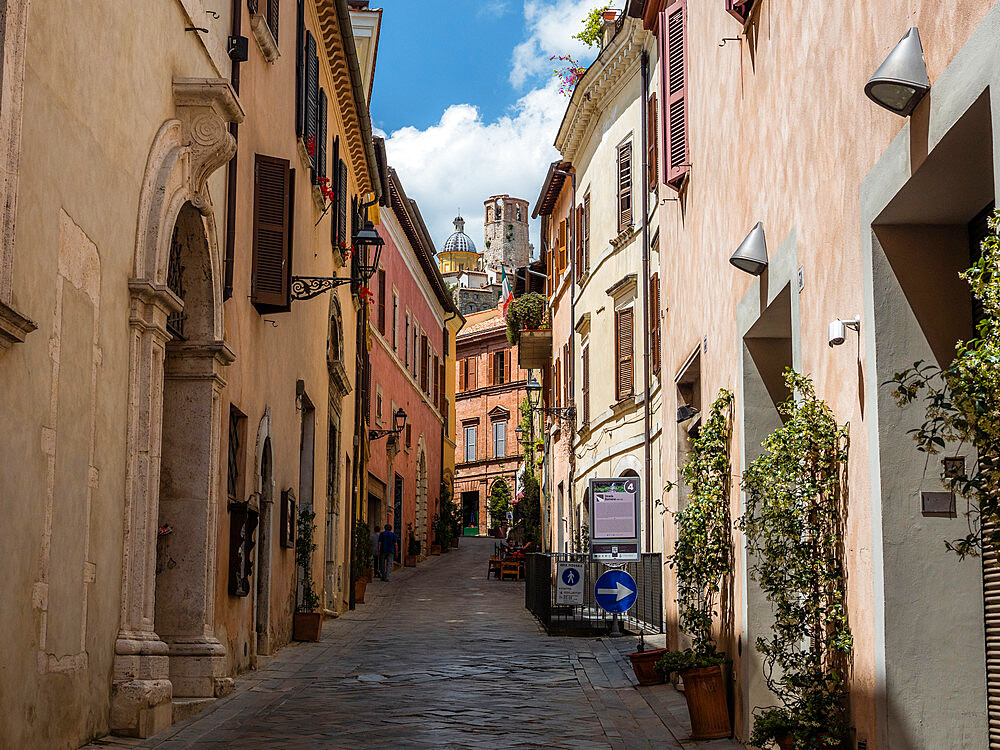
x=473, y=371
x=586, y=384
x=654, y=319
x=586, y=232
x=739, y=9
x=567, y=396
x=272, y=18
x=272, y=228
x=463, y=367
x=492, y=367
x=578, y=235
x=624, y=186
x=342, y=202
x=556, y=383
x=381, y=301
x=321, y=136
x=623, y=349
x=652, y=168
x=424, y=375
x=562, y=247
x=312, y=93
x=508, y=376
x=300, y=71
x=673, y=51
x=440, y=393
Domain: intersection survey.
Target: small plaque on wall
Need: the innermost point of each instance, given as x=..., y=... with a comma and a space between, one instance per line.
x=937, y=504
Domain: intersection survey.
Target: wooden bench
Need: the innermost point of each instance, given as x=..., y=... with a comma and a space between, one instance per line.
x=494, y=567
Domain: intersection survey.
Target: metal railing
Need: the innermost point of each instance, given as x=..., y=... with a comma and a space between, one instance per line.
x=589, y=619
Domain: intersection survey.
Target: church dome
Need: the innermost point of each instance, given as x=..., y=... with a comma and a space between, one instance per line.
x=459, y=242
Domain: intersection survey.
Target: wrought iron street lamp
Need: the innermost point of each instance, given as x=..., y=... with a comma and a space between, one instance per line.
x=399, y=423
x=364, y=241
x=534, y=389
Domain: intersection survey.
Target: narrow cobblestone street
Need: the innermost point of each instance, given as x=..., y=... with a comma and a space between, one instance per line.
x=440, y=657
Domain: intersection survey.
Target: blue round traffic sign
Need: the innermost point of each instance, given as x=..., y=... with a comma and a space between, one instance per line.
x=615, y=591
x=571, y=576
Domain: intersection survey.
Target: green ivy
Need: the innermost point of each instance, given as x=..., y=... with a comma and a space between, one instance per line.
x=703, y=553
x=304, y=547
x=794, y=527
x=962, y=404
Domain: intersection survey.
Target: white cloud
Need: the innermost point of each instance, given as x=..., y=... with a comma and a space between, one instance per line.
x=551, y=26
x=462, y=160
x=493, y=8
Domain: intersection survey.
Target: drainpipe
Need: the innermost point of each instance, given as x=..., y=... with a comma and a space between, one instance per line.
x=231, y=169
x=646, y=418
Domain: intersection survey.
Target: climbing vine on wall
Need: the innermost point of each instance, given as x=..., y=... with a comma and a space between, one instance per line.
x=962, y=405
x=703, y=553
x=794, y=525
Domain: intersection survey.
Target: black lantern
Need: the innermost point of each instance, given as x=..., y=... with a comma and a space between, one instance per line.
x=398, y=425
x=366, y=240
x=534, y=389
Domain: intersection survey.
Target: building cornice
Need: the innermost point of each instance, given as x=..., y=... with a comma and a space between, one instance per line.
x=616, y=63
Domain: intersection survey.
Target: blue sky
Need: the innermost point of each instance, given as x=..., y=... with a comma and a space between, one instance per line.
x=465, y=96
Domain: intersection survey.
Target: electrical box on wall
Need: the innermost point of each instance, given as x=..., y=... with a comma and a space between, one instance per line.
x=937, y=504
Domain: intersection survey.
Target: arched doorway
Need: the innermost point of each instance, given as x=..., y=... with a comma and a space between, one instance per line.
x=340, y=385
x=420, y=525
x=177, y=356
x=265, y=532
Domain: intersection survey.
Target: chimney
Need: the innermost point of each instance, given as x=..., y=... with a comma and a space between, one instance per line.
x=608, y=27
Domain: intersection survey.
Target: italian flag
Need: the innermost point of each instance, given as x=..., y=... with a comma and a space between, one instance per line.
x=506, y=294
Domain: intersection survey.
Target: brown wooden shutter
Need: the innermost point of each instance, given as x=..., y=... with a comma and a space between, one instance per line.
x=562, y=247
x=381, y=301
x=424, y=375
x=623, y=350
x=654, y=319
x=673, y=51
x=585, y=406
x=321, y=136
x=474, y=371
x=567, y=396
x=508, y=375
x=441, y=388
x=272, y=230
x=652, y=168
x=586, y=232
x=579, y=237
x=342, y=203
x=463, y=368
x=272, y=18
x=491, y=365
x=624, y=186
x=300, y=70
x=556, y=381
x=312, y=93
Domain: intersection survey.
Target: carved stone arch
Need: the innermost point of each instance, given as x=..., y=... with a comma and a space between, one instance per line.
x=340, y=382
x=173, y=455
x=265, y=485
x=628, y=466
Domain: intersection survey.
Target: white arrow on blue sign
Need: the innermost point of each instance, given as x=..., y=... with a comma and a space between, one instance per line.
x=615, y=591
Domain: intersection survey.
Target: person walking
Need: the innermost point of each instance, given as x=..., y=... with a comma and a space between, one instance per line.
x=388, y=547
x=376, y=561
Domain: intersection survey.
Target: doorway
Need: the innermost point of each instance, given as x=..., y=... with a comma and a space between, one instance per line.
x=470, y=512
x=264, y=534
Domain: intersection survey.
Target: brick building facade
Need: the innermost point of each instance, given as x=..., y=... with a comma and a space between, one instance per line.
x=490, y=387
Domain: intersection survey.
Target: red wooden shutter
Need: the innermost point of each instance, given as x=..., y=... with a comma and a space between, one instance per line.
x=623, y=350
x=272, y=229
x=652, y=168
x=381, y=301
x=624, y=186
x=673, y=53
x=586, y=385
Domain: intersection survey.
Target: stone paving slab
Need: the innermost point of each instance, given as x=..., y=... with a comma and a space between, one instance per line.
x=440, y=657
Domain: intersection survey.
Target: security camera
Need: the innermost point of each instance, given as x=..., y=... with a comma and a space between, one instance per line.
x=838, y=330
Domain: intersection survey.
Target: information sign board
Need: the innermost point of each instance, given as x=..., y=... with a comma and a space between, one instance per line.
x=614, y=519
x=569, y=583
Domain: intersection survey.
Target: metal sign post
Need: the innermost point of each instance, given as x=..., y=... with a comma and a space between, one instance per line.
x=615, y=592
x=614, y=514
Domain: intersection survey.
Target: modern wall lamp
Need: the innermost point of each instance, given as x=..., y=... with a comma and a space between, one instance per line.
x=838, y=330
x=751, y=255
x=901, y=80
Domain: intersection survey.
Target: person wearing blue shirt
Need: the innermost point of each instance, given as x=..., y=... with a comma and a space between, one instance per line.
x=388, y=547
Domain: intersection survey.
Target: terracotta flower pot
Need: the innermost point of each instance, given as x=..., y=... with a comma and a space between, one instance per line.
x=785, y=743
x=435, y=549
x=454, y=542
x=370, y=574
x=410, y=561
x=359, y=590
x=705, y=692
x=644, y=666
x=307, y=626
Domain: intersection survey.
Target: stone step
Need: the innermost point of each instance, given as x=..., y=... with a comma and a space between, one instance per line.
x=187, y=707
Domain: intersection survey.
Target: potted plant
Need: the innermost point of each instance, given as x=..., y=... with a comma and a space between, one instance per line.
x=527, y=313
x=773, y=726
x=644, y=661
x=412, y=548
x=794, y=527
x=703, y=559
x=307, y=623
x=363, y=561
